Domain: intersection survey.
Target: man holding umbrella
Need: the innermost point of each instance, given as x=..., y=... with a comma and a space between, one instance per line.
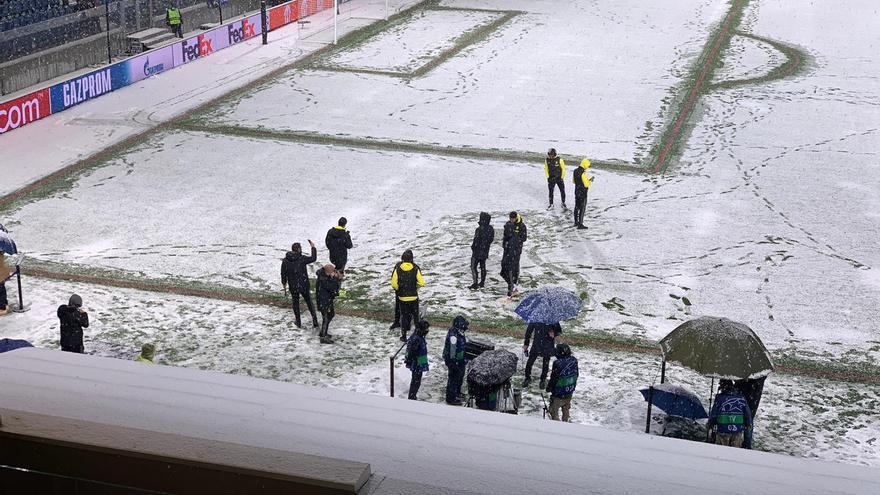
x=543, y=346
x=453, y=357
x=543, y=309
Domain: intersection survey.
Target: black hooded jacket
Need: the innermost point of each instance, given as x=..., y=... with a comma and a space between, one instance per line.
x=293, y=270
x=338, y=242
x=326, y=290
x=483, y=237
x=515, y=235
x=72, y=323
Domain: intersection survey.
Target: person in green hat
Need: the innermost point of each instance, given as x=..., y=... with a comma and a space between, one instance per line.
x=174, y=20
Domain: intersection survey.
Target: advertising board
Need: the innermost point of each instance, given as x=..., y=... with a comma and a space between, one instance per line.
x=24, y=110
x=216, y=39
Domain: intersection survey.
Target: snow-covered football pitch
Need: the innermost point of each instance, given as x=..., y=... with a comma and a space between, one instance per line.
x=735, y=151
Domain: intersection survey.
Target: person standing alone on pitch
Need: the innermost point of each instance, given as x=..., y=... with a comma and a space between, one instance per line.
x=554, y=169
x=338, y=242
x=582, y=184
x=417, y=357
x=326, y=290
x=453, y=357
x=294, y=273
x=483, y=237
x=515, y=235
x=73, y=319
x=174, y=20
x=563, y=381
x=543, y=346
x=406, y=280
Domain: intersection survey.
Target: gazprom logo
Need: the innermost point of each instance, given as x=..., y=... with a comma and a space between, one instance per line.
x=152, y=70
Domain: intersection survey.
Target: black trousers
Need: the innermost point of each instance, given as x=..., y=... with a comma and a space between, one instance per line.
x=580, y=206
x=327, y=315
x=414, y=384
x=295, y=294
x=3, y=300
x=556, y=182
x=454, y=381
x=510, y=272
x=545, y=366
x=79, y=349
x=177, y=29
x=481, y=264
x=409, y=314
x=396, y=311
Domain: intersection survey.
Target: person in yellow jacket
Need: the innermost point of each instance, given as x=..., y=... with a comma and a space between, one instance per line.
x=406, y=280
x=148, y=354
x=554, y=169
x=174, y=20
x=582, y=184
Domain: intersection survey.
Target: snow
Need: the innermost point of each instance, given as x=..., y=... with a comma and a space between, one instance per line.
x=481, y=453
x=521, y=88
x=804, y=417
x=771, y=218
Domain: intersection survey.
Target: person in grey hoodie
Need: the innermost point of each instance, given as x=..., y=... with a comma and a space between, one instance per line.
x=483, y=237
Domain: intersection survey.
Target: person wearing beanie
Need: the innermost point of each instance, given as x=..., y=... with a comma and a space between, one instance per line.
x=515, y=235
x=417, y=357
x=294, y=272
x=73, y=319
x=406, y=280
x=148, y=354
x=582, y=183
x=326, y=290
x=338, y=241
x=454, y=358
x=554, y=169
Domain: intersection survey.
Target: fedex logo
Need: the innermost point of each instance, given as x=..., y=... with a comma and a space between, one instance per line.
x=194, y=48
x=245, y=30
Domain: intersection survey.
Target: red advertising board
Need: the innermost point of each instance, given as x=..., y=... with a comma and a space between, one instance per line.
x=24, y=110
x=293, y=11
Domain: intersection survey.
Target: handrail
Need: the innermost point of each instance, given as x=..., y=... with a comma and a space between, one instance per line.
x=391, y=360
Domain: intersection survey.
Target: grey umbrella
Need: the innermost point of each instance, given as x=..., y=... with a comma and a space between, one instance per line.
x=492, y=368
x=717, y=347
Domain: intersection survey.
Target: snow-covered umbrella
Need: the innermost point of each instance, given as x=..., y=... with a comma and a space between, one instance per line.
x=492, y=368
x=718, y=348
x=549, y=304
x=675, y=400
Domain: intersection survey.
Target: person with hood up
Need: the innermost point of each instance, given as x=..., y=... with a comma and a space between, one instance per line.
x=148, y=354
x=554, y=169
x=515, y=235
x=406, y=280
x=483, y=237
x=563, y=381
x=417, y=357
x=73, y=319
x=543, y=346
x=338, y=242
x=294, y=273
x=326, y=290
x=582, y=183
x=453, y=357
x=730, y=415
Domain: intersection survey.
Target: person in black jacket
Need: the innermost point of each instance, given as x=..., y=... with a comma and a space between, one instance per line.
x=294, y=273
x=483, y=237
x=515, y=235
x=338, y=242
x=326, y=290
x=73, y=319
x=554, y=169
x=544, y=346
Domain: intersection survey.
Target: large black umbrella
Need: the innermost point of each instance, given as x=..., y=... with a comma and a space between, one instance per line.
x=492, y=368
x=718, y=348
